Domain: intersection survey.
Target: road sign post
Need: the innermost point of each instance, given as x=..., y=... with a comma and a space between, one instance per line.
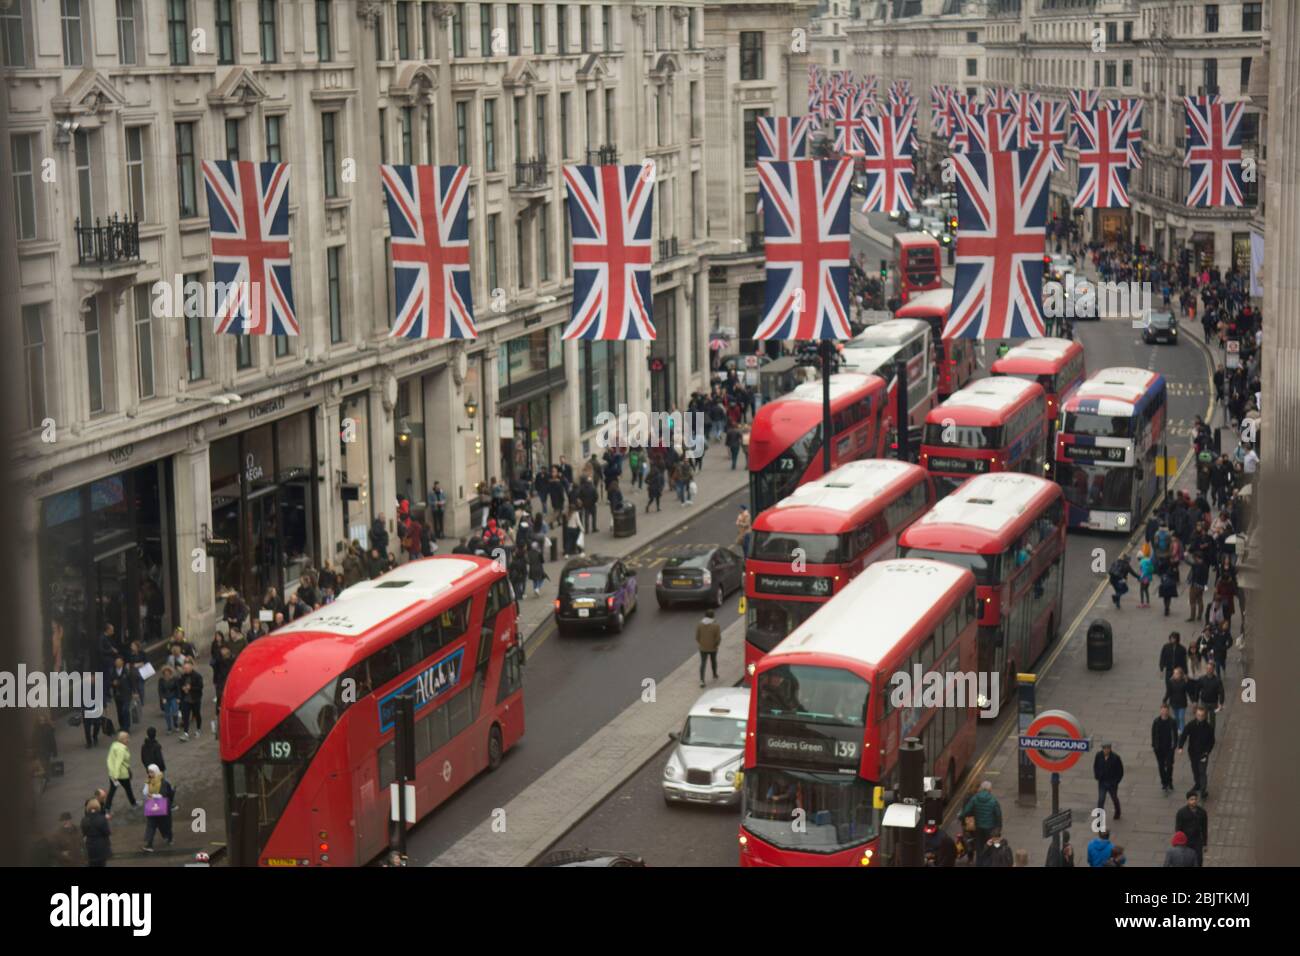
x=1054, y=741
x=1026, y=686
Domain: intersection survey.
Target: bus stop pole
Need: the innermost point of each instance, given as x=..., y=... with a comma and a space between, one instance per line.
x=404, y=745
x=904, y=428
x=911, y=789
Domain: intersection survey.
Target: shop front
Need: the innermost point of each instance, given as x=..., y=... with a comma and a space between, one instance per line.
x=1241, y=252
x=530, y=368
x=264, y=507
x=602, y=382
x=663, y=352
x=1112, y=225
x=355, y=417
x=410, y=442
x=107, y=556
x=753, y=296
x=1202, y=244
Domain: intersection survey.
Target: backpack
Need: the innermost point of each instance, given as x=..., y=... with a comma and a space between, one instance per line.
x=1162, y=539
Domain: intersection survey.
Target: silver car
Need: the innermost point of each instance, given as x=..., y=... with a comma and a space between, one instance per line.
x=702, y=767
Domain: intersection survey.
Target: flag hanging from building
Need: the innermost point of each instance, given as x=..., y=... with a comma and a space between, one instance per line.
x=428, y=214
x=905, y=112
x=969, y=131
x=1190, y=103
x=806, y=225
x=248, y=216
x=1081, y=100
x=1131, y=106
x=1214, y=154
x=783, y=137
x=1025, y=110
x=888, y=163
x=1103, y=159
x=610, y=212
x=1048, y=132
x=848, y=127
x=900, y=88
x=1001, y=235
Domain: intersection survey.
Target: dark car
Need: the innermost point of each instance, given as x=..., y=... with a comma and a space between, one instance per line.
x=587, y=857
x=707, y=574
x=1160, y=327
x=595, y=592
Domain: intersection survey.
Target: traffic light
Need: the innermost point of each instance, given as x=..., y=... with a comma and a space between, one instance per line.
x=1047, y=262
x=884, y=270
x=952, y=224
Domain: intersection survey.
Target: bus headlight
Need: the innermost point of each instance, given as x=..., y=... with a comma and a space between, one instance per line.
x=1121, y=521
x=749, y=669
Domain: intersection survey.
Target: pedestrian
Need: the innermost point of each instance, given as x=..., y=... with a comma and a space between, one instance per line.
x=221, y=670
x=159, y=796
x=1169, y=583
x=191, y=701
x=1177, y=691
x=634, y=459
x=940, y=848
x=119, y=770
x=997, y=852
x=1220, y=641
x=1198, y=739
x=614, y=495
x=536, y=570
x=96, y=834
x=654, y=485
x=67, y=847
x=742, y=529
x=1108, y=770
x=121, y=685
x=588, y=497
x=1116, y=856
x=1210, y=690
x=986, y=810
x=1064, y=857
x=1099, y=849
x=1173, y=655
x=1193, y=822
x=438, y=509
x=1119, y=570
x=1197, y=578
x=708, y=635
x=733, y=444
x=92, y=713
x=1146, y=567
x=1179, y=853
x=151, y=751
x=518, y=571
x=379, y=534
x=1164, y=742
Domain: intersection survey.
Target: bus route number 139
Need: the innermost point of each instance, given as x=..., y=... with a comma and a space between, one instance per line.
x=846, y=748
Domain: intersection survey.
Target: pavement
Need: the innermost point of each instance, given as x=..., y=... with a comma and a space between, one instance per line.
x=1117, y=706
x=194, y=767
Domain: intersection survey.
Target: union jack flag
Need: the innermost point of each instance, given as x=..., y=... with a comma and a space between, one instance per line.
x=888, y=162
x=1080, y=101
x=939, y=94
x=248, y=215
x=870, y=85
x=900, y=88
x=806, y=222
x=1001, y=234
x=1103, y=159
x=783, y=137
x=999, y=98
x=1214, y=155
x=970, y=133
x=1190, y=103
x=1132, y=107
x=610, y=211
x=941, y=121
x=1048, y=132
x=848, y=126
x=1025, y=110
x=428, y=212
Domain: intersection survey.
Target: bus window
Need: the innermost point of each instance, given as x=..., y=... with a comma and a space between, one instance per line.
x=512, y=674
x=387, y=765
x=459, y=713
x=385, y=664
x=409, y=649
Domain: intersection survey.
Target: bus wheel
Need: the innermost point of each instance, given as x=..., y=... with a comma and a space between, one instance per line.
x=495, y=750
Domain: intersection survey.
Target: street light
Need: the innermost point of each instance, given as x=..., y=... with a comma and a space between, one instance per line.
x=471, y=410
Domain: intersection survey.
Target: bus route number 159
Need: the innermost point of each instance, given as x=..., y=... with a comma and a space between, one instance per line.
x=281, y=749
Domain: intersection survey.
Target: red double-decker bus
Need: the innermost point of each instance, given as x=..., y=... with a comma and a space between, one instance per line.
x=953, y=358
x=307, y=715
x=825, y=722
x=1009, y=531
x=876, y=350
x=1055, y=364
x=916, y=264
x=807, y=547
x=993, y=424
x=785, y=442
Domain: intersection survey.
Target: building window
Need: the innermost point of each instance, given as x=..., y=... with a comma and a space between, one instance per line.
x=521, y=259
x=94, y=358
x=611, y=119
x=281, y=345
x=566, y=105
x=1245, y=74
x=602, y=374
x=34, y=360
x=1127, y=76
x=542, y=127
x=591, y=120
x=406, y=118
x=232, y=140
x=485, y=29
x=690, y=29
x=429, y=152
x=1112, y=32
x=226, y=31
x=185, y=183
x=194, y=320
x=519, y=104
x=458, y=30
x=22, y=148
x=606, y=30
x=972, y=67
x=696, y=204
x=329, y=153
x=562, y=28
x=972, y=36
x=1211, y=75
x=403, y=30
x=324, y=32
x=836, y=57
x=266, y=28
x=462, y=133
x=1252, y=17
x=13, y=34
x=383, y=134
x=1096, y=73
x=584, y=28
x=74, y=53
x=490, y=137
x=751, y=136
x=143, y=343
x=273, y=154
x=544, y=244
x=1110, y=72
x=567, y=245
x=493, y=274
x=126, y=32
x=1211, y=18
x=751, y=55
x=333, y=277
x=539, y=28
x=426, y=14
x=135, y=171
x=1128, y=31
x=512, y=28
x=243, y=352
x=380, y=53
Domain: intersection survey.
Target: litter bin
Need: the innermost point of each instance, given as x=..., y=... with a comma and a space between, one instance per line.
x=1100, y=646
x=625, y=522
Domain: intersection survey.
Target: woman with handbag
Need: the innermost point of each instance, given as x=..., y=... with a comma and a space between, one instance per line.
x=159, y=795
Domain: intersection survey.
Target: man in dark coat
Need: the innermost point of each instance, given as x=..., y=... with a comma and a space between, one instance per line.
x=379, y=535
x=97, y=835
x=1173, y=655
x=1198, y=738
x=940, y=849
x=1194, y=823
x=1164, y=742
x=1109, y=771
x=151, y=750
x=587, y=497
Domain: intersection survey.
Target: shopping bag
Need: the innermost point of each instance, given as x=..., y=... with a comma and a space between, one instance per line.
x=155, y=806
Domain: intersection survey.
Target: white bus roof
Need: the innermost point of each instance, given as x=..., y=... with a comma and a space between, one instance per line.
x=369, y=603
x=893, y=332
x=841, y=384
x=868, y=359
x=1124, y=377
x=849, y=485
x=994, y=394
x=1041, y=348
x=990, y=502
x=873, y=612
x=934, y=299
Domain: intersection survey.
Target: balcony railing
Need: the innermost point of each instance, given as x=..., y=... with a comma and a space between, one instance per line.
x=604, y=156
x=531, y=174
x=668, y=247
x=754, y=242
x=108, y=242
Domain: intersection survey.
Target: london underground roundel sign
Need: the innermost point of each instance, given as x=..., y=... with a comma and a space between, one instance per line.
x=1055, y=741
